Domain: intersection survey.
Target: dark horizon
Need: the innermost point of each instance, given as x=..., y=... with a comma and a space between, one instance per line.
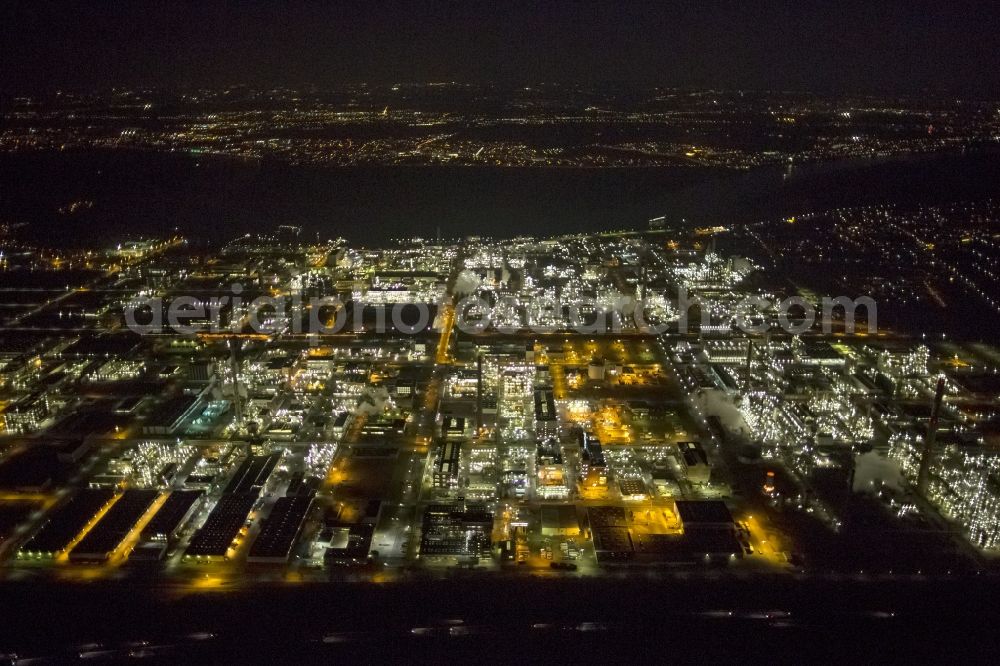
x=891, y=48
x=928, y=94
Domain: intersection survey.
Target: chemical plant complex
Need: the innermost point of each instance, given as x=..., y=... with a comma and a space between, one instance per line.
x=287, y=410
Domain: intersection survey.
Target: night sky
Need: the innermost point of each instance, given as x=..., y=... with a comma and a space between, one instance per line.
x=828, y=45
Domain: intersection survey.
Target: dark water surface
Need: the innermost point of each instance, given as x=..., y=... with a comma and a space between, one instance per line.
x=214, y=198
x=766, y=620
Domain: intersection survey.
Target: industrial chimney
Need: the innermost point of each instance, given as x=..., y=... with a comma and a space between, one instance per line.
x=235, y=365
x=924, y=475
x=479, y=394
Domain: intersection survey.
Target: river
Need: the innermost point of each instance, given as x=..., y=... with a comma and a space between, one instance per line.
x=152, y=194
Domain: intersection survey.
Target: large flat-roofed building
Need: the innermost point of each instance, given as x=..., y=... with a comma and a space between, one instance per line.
x=456, y=530
x=633, y=489
x=64, y=525
x=593, y=466
x=172, y=414
x=551, y=482
x=704, y=514
x=607, y=516
x=454, y=428
x=612, y=544
x=546, y=421
x=110, y=345
x=171, y=517
x=709, y=530
x=817, y=353
x=13, y=518
x=559, y=520
x=694, y=462
x=609, y=531
x=217, y=536
x=33, y=470
x=356, y=546
x=446, y=465
x=726, y=351
x=111, y=532
x=253, y=474
x=280, y=530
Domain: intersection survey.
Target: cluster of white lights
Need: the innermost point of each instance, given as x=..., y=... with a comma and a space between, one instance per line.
x=963, y=485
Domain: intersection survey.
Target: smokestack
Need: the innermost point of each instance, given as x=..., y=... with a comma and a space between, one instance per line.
x=924, y=474
x=642, y=278
x=235, y=363
x=479, y=393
